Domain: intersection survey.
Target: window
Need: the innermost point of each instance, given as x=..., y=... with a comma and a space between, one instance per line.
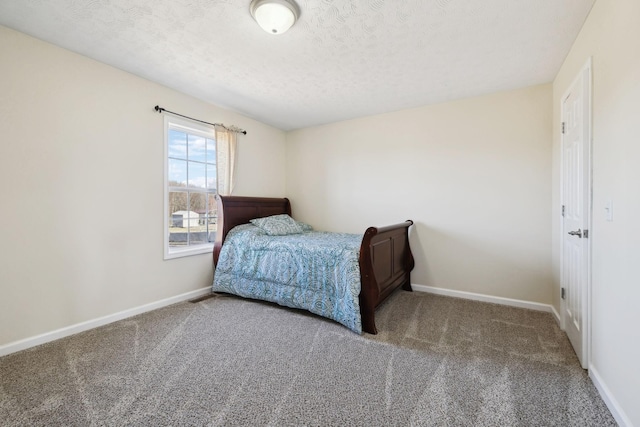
x=190, y=188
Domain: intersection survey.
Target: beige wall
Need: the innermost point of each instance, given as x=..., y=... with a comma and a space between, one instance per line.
x=611, y=37
x=474, y=175
x=81, y=167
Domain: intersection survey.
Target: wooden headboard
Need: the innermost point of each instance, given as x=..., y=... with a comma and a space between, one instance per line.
x=236, y=210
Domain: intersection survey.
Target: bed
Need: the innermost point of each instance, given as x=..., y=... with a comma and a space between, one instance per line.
x=383, y=260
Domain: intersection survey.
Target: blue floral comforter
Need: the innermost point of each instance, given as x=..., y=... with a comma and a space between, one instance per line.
x=314, y=271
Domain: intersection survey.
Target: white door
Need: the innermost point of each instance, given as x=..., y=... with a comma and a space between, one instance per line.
x=576, y=192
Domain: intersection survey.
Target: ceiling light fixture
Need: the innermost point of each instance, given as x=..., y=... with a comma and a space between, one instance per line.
x=275, y=16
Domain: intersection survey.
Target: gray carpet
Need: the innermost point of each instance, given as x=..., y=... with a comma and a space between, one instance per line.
x=437, y=361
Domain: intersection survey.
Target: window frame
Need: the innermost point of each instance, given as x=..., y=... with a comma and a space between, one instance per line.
x=196, y=129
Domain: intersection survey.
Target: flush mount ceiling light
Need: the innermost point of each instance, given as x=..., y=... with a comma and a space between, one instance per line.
x=275, y=16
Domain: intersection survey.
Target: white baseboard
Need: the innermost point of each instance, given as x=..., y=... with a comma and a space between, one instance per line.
x=94, y=323
x=614, y=407
x=486, y=298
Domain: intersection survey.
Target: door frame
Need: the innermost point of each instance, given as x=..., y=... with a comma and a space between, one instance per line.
x=585, y=73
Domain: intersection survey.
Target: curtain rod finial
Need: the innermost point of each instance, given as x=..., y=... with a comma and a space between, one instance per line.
x=159, y=109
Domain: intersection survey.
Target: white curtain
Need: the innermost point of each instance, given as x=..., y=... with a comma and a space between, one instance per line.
x=226, y=146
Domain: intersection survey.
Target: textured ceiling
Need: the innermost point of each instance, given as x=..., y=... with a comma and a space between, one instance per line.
x=343, y=59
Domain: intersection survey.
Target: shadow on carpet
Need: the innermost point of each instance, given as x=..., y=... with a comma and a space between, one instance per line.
x=437, y=361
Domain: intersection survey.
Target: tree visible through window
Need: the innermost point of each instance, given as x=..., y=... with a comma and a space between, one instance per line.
x=190, y=188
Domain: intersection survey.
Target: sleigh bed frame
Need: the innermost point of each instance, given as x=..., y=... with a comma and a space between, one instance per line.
x=385, y=257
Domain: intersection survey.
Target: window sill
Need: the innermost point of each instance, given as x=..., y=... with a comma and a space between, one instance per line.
x=173, y=253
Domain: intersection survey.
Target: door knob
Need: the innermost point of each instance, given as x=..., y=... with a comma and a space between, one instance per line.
x=576, y=233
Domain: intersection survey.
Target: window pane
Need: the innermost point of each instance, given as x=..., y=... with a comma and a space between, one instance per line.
x=178, y=224
x=197, y=177
x=212, y=218
x=197, y=148
x=211, y=177
x=177, y=173
x=177, y=144
x=198, y=237
x=211, y=151
x=198, y=213
x=177, y=201
x=198, y=203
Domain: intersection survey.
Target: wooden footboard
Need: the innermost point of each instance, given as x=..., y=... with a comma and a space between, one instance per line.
x=385, y=257
x=386, y=262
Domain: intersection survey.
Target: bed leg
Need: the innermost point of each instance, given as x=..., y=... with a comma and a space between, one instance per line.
x=368, y=320
x=407, y=286
x=370, y=329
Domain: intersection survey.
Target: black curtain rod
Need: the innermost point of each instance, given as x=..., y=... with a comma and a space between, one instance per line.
x=234, y=129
